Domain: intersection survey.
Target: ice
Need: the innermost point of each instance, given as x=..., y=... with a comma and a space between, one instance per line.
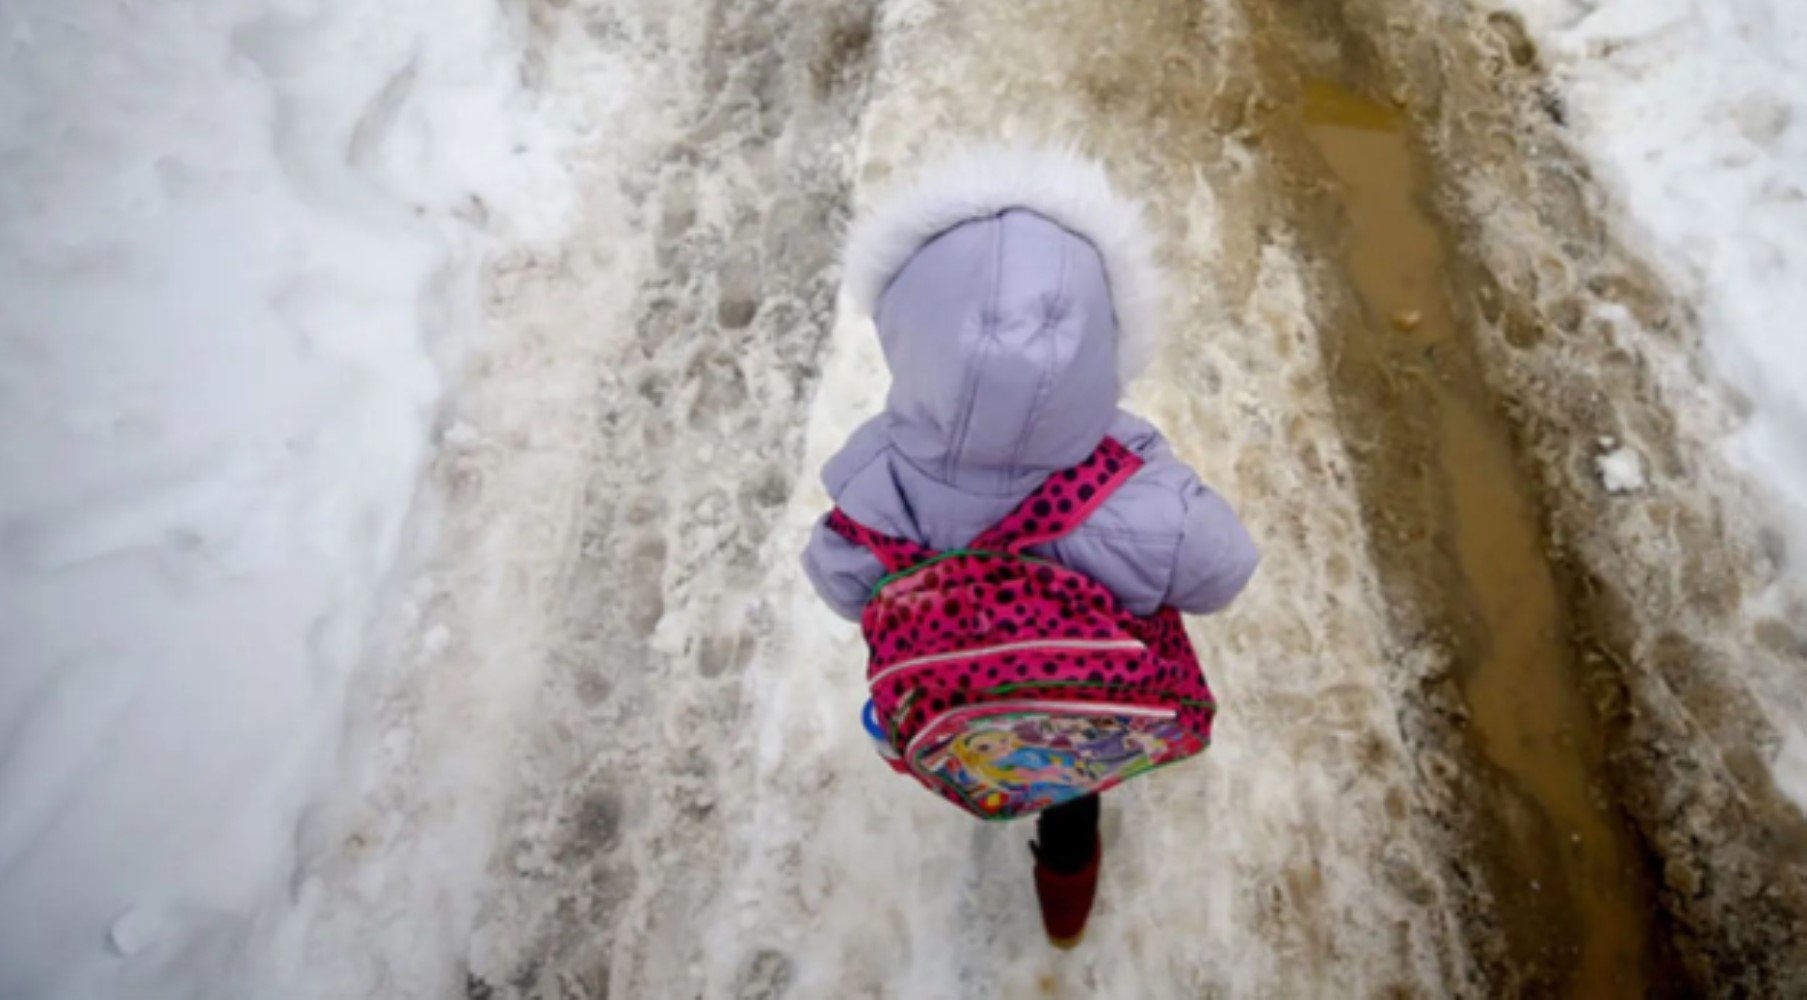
x=1621, y=471
x=1791, y=767
x=240, y=246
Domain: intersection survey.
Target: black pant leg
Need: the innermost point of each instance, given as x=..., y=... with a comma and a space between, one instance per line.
x=1067, y=835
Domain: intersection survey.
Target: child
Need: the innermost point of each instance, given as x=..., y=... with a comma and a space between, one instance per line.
x=1014, y=294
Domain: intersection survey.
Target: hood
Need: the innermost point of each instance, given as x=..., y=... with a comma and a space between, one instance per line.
x=1013, y=293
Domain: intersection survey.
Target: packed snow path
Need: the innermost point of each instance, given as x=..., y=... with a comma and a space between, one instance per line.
x=691, y=810
x=663, y=712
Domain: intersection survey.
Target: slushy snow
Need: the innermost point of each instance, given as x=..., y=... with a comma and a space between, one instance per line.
x=240, y=244
x=240, y=253
x=1694, y=115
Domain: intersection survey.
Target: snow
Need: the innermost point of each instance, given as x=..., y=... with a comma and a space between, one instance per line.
x=1621, y=470
x=1694, y=114
x=240, y=248
x=1791, y=766
x=852, y=883
x=321, y=675
x=615, y=640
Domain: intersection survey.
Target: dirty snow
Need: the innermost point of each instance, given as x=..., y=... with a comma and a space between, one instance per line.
x=1695, y=115
x=239, y=244
x=604, y=741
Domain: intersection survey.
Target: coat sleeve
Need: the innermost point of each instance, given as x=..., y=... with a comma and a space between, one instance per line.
x=842, y=572
x=1215, y=557
x=1165, y=538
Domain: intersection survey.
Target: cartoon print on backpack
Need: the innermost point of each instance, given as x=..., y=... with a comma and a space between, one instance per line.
x=1049, y=759
x=962, y=641
x=1000, y=759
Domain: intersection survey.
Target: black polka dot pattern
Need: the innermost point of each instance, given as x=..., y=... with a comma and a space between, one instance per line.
x=989, y=629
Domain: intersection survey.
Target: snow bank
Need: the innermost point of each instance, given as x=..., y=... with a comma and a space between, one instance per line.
x=1695, y=114
x=239, y=248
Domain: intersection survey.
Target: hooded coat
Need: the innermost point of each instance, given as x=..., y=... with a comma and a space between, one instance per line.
x=1013, y=293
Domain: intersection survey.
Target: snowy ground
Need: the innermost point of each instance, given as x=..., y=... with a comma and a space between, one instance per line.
x=241, y=247
x=1692, y=113
x=1609, y=197
x=411, y=421
x=1693, y=116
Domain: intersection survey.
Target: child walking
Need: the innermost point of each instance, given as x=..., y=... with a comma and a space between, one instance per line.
x=1023, y=541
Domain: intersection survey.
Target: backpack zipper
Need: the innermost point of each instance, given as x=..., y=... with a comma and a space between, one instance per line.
x=1059, y=645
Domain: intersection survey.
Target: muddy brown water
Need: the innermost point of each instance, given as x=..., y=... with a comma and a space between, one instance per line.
x=1588, y=910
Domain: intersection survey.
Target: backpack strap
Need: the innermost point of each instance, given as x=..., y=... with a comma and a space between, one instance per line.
x=1063, y=500
x=897, y=554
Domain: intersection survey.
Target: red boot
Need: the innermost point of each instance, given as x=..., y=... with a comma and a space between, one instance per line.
x=1066, y=899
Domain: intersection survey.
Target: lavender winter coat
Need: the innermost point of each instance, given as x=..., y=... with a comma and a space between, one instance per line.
x=1001, y=346
x=1005, y=358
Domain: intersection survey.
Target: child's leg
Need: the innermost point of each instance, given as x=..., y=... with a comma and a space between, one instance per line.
x=1066, y=868
x=1067, y=835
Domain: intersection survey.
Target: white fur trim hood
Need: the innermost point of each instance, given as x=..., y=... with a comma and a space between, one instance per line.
x=982, y=181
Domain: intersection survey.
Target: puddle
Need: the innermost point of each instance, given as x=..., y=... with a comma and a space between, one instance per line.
x=1584, y=906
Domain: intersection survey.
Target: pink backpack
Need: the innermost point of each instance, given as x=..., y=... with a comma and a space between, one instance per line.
x=1008, y=683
